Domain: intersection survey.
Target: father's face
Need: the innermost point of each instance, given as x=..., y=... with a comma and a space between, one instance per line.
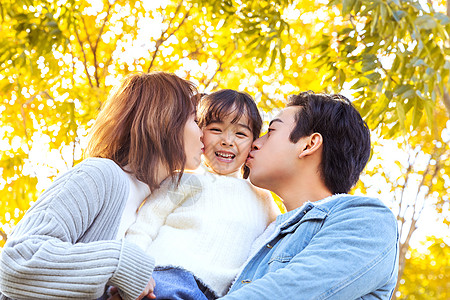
x=273, y=157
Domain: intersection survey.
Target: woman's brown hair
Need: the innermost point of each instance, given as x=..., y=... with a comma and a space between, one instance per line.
x=142, y=123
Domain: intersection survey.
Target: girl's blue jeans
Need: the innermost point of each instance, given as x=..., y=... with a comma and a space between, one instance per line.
x=178, y=284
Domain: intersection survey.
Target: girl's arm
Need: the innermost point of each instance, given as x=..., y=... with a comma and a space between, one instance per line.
x=158, y=206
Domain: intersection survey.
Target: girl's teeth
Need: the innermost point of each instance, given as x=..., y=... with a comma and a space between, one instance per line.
x=224, y=155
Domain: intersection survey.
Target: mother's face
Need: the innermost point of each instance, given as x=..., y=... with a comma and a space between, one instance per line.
x=193, y=146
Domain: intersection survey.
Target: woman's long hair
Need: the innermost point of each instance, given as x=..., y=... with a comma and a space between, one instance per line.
x=142, y=123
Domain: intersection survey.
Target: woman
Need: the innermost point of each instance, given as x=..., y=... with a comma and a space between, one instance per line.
x=69, y=244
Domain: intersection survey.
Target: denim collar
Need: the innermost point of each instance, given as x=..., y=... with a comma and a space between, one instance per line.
x=291, y=217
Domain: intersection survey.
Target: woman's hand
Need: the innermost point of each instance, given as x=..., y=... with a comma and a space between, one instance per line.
x=113, y=292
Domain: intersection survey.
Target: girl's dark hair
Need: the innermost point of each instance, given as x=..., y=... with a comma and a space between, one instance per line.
x=346, y=137
x=221, y=104
x=142, y=125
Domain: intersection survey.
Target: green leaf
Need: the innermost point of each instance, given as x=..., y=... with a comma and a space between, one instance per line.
x=425, y=22
x=274, y=55
x=360, y=83
x=429, y=106
x=389, y=95
x=51, y=24
x=347, y=6
x=408, y=94
x=373, y=76
x=346, y=31
x=374, y=22
x=401, y=114
x=394, y=130
x=357, y=6
x=368, y=66
x=442, y=18
x=383, y=12
x=283, y=60
x=398, y=15
x=401, y=89
x=419, y=62
x=380, y=105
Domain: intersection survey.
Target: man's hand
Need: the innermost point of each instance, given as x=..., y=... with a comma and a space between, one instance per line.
x=148, y=292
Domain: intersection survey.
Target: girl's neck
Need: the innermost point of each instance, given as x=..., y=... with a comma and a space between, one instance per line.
x=236, y=174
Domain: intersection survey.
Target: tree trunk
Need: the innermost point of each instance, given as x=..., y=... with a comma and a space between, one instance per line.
x=448, y=8
x=446, y=98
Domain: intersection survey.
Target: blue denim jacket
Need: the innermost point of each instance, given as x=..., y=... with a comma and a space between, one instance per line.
x=341, y=247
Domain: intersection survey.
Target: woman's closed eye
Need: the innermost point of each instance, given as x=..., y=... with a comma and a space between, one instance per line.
x=215, y=129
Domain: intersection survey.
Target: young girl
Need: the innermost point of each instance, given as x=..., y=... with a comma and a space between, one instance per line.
x=201, y=232
x=69, y=244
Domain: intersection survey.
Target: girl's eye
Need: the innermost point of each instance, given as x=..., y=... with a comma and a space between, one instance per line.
x=215, y=129
x=270, y=130
x=241, y=134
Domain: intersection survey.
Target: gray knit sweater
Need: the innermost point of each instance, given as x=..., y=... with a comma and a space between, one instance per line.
x=64, y=247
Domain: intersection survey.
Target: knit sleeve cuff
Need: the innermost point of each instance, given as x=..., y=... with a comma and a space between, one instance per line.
x=133, y=272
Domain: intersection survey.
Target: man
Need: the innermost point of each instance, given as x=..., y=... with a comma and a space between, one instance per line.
x=329, y=245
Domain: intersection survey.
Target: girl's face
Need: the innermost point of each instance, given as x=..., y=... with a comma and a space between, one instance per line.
x=193, y=146
x=227, y=145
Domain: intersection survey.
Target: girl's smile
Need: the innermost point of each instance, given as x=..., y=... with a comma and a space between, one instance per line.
x=227, y=144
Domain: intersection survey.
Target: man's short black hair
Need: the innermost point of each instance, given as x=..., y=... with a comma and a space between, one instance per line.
x=346, y=137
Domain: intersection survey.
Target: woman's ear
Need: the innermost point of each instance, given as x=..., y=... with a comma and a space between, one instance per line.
x=310, y=144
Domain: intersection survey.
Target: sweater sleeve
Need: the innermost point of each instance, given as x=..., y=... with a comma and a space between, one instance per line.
x=48, y=255
x=158, y=206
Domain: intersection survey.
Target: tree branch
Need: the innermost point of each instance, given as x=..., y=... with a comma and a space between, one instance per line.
x=401, y=211
x=87, y=33
x=84, y=57
x=221, y=61
x=162, y=39
x=103, y=26
x=94, y=48
x=3, y=235
x=24, y=117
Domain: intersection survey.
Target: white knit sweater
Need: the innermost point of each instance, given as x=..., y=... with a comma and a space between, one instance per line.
x=206, y=226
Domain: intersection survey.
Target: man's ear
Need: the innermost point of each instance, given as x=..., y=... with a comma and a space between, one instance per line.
x=311, y=144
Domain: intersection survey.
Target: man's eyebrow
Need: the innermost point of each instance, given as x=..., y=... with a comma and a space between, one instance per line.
x=275, y=120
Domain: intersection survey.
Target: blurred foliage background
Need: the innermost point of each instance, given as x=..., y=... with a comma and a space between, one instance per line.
x=59, y=59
